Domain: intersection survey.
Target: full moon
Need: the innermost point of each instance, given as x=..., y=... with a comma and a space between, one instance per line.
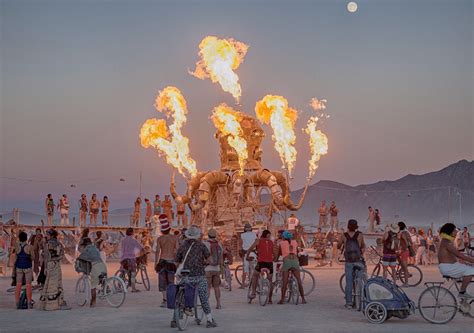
x=352, y=7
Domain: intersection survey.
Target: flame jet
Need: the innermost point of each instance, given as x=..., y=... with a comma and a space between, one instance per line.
x=318, y=144
x=219, y=60
x=274, y=110
x=227, y=121
x=170, y=142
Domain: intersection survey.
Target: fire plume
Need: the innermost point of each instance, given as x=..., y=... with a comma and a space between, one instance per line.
x=219, y=60
x=227, y=121
x=318, y=144
x=170, y=142
x=274, y=110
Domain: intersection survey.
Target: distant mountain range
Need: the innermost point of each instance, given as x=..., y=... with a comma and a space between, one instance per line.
x=434, y=198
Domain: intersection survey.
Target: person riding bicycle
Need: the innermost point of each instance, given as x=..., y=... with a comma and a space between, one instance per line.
x=354, y=246
x=265, y=249
x=91, y=254
x=288, y=249
x=248, y=237
x=131, y=249
x=448, y=257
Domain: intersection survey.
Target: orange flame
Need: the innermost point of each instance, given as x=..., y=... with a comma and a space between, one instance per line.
x=274, y=110
x=318, y=143
x=318, y=104
x=219, y=59
x=227, y=121
x=170, y=143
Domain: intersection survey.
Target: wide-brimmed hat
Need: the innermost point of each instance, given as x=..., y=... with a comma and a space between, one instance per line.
x=164, y=224
x=212, y=233
x=194, y=232
x=394, y=228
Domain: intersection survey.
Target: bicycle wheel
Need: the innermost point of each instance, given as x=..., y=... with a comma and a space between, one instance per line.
x=437, y=305
x=342, y=283
x=145, y=278
x=123, y=274
x=358, y=290
x=264, y=291
x=308, y=280
x=83, y=290
x=295, y=294
x=198, y=311
x=114, y=291
x=415, y=276
x=228, y=278
x=238, y=272
x=180, y=315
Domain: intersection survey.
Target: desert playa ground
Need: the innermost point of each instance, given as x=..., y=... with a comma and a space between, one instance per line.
x=141, y=312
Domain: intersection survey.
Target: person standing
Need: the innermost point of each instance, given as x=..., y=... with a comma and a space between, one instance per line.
x=354, y=247
x=36, y=242
x=63, y=207
x=420, y=258
x=148, y=213
x=371, y=219
x=23, y=269
x=94, y=205
x=52, y=294
x=333, y=210
x=323, y=215
x=49, y=207
x=292, y=223
x=83, y=209
x=378, y=217
x=390, y=250
x=404, y=254
x=3, y=251
x=413, y=234
x=157, y=205
x=247, y=238
x=137, y=212
x=105, y=210
x=182, y=218
x=215, y=262
x=430, y=242
x=165, y=265
x=195, y=262
x=100, y=244
x=466, y=238
x=168, y=208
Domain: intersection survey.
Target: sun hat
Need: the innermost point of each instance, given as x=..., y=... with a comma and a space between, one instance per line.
x=394, y=228
x=194, y=232
x=212, y=233
x=248, y=227
x=164, y=224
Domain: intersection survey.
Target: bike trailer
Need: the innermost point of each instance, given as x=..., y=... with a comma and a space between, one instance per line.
x=383, y=299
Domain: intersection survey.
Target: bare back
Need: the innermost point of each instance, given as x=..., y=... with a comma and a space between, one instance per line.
x=166, y=247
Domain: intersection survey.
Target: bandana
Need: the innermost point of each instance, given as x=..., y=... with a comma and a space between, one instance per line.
x=446, y=236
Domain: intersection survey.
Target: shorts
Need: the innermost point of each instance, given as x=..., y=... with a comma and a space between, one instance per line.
x=165, y=278
x=129, y=265
x=456, y=270
x=213, y=278
x=267, y=265
x=290, y=263
x=247, y=263
x=97, y=269
x=27, y=273
x=389, y=263
x=389, y=260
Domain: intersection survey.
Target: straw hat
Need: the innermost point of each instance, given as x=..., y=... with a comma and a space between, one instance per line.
x=394, y=228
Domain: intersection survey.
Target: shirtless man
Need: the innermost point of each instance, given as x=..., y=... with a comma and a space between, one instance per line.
x=323, y=215
x=83, y=208
x=166, y=247
x=63, y=206
x=157, y=205
x=182, y=218
x=49, y=207
x=137, y=212
x=94, y=206
x=448, y=259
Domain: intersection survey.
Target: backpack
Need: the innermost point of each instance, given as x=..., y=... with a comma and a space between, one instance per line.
x=216, y=253
x=352, y=252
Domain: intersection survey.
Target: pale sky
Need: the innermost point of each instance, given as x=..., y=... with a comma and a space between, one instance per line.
x=78, y=79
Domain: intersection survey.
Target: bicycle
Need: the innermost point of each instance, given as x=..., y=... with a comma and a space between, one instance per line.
x=125, y=274
x=113, y=289
x=415, y=275
x=359, y=279
x=227, y=275
x=239, y=270
x=438, y=305
x=262, y=289
x=307, y=279
x=293, y=293
x=372, y=255
x=182, y=313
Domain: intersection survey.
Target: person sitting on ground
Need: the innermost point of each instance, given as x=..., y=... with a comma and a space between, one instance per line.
x=91, y=254
x=265, y=249
x=448, y=257
x=25, y=257
x=390, y=250
x=354, y=246
x=215, y=262
x=288, y=249
x=131, y=249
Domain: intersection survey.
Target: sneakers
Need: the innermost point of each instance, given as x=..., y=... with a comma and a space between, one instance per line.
x=348, y=306
x=173, y=324
x=465, y=295
x=211, y=324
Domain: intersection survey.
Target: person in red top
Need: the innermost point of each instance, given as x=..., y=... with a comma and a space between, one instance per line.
x=264, y=246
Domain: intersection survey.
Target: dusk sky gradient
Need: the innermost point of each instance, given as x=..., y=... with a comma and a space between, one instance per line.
x=79, y=78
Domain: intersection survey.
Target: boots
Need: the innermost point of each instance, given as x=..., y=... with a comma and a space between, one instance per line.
x=93, y=297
